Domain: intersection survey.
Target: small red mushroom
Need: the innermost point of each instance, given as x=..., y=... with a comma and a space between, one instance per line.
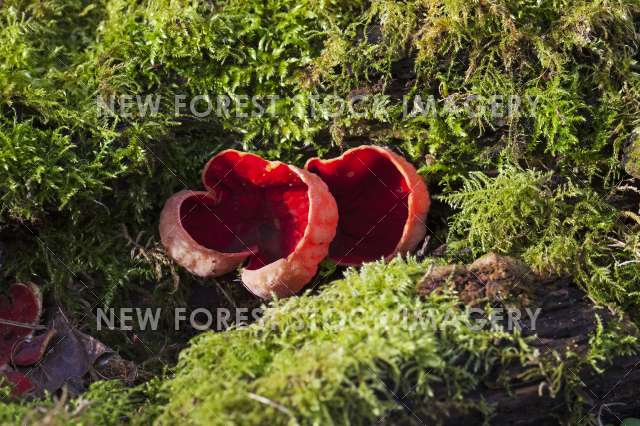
x=22, y=304
x=277, y=218
x=382, y=204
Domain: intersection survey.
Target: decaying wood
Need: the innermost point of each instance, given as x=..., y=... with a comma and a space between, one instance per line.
x=566, y=321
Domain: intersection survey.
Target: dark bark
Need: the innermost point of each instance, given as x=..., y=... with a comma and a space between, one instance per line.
x=566, y=322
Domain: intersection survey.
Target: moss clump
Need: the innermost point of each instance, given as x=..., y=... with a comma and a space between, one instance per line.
x=105, y=403
x=364, y=349
x=573, y=65
x=557, y=227
x=343, y=356
x=632, y=155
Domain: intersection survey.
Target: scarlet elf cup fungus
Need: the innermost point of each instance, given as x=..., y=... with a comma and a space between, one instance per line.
x=20, y=308
x=22, y=304
x=277, y=218
x=382, y=204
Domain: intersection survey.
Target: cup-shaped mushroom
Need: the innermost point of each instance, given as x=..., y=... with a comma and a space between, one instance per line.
x=277, y=219
x=22, y=304
x=382, y=204
x=199, y=233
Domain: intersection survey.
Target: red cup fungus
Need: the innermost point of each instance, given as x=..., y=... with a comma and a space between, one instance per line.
x=382, y=204
x=22, y=305
x=275, y=217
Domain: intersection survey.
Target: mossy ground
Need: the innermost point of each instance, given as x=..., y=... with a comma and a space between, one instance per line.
x=81, y=192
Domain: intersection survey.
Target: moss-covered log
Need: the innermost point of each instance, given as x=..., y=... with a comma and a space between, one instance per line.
x=566, y=324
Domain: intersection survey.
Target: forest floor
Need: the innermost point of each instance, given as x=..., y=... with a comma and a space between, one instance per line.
x=523, y=118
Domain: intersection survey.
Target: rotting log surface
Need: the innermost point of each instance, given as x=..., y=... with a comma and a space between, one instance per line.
x=566, y=322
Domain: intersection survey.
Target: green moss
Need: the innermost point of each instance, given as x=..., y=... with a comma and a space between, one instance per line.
x=363, y=349
x=80, y=193
x=105, y=403
x=63, y=167
x=302, y=363
x=559, y=228
x=582, y=77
